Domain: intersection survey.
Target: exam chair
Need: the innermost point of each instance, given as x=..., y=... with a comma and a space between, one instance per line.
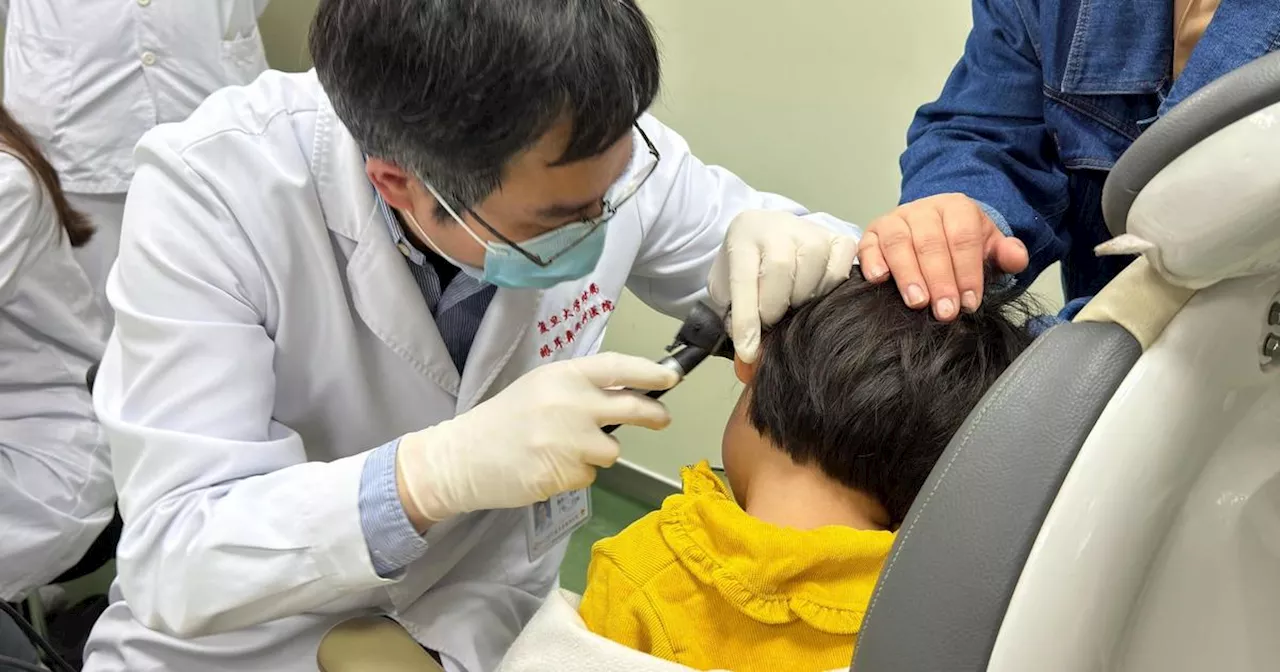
x=1113, y=503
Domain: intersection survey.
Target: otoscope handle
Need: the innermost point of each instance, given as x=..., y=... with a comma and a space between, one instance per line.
x=652, y=394
x=681, y=361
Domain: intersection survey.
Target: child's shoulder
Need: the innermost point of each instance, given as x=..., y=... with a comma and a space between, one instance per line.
x=642, y=552
x=638, y=552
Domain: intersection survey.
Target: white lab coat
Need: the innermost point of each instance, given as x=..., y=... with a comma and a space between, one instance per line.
x=88, y=77
x=268, y=334
x=56, y=493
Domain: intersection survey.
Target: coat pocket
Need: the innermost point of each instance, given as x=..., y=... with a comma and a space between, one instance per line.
x=243, y=58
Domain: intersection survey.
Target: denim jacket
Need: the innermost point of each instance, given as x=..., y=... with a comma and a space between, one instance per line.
x=1048, y=94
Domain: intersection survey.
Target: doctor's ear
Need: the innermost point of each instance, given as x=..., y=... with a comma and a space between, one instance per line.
x=393, y=183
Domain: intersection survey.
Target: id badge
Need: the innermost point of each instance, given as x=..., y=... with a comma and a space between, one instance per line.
x=550, y=522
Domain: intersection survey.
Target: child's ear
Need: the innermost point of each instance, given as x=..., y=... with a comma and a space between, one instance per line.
x=745, y=372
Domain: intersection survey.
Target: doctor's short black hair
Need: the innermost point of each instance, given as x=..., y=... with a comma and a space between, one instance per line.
x=451, y=90
x=871, y=391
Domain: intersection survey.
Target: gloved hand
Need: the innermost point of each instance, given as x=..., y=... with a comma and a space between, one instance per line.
x=771, y=261
x=537, y=438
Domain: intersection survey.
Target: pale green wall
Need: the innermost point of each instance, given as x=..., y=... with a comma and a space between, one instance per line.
x=810, y=99
x=797, y=98
x=284, y=32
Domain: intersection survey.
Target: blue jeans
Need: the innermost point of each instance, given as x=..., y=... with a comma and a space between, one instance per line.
x=1042, y=323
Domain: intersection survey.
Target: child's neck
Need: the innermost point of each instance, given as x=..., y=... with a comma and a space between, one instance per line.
x=783, y=493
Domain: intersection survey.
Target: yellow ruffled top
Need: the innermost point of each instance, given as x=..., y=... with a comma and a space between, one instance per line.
x=702, y=583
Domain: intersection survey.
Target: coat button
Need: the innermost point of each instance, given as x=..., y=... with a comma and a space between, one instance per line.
x=148, y=58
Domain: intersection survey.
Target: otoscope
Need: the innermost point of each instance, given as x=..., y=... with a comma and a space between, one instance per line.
x=702, y=335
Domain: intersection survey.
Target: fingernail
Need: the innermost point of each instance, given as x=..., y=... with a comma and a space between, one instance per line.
x=915, y=295
x=946, y=309
x=970, y=301
x=874, y=272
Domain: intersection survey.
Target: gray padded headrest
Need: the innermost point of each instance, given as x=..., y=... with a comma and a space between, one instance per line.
x=1222, y=102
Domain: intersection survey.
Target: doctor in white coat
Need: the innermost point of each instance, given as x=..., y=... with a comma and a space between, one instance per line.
x=88, y=78
x=56, y=493
x=357, y=312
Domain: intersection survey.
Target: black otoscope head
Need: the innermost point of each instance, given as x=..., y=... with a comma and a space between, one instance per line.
x=704, y=329
x=702, y=335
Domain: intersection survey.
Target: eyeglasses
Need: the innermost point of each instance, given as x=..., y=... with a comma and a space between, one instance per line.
x=609, y=206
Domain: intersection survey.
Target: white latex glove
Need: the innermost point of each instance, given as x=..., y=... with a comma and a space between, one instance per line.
x=537, y=438
x=771, y=261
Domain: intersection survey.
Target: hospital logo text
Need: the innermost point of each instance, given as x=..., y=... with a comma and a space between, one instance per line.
x=561, y=329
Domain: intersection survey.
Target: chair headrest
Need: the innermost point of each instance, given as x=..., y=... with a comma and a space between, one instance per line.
x=1199, y=192
x=1217, y=105
x=1214, y=212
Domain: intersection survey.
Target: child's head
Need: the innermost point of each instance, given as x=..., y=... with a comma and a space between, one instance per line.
x=869, y=391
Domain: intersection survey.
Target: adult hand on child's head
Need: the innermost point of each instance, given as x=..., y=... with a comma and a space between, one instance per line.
x=935, y=249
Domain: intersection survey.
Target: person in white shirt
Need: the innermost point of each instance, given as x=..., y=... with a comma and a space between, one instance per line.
x=56, y=492
x=88, y=78
x=358, y=312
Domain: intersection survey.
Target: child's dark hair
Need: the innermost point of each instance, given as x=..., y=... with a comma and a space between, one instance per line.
x=871, y=391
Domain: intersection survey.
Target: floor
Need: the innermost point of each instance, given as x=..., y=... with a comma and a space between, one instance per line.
x=610, y=512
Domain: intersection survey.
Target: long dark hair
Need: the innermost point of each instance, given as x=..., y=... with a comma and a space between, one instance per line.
x=15, y=140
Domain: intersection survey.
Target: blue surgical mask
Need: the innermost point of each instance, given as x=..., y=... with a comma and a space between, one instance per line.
x=505, y=267
x=575, y=250
x=569, y=252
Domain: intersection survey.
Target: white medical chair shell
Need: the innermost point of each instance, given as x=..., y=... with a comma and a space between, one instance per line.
x=1161, y=548
x=1207, y=208
x=1181, y=210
